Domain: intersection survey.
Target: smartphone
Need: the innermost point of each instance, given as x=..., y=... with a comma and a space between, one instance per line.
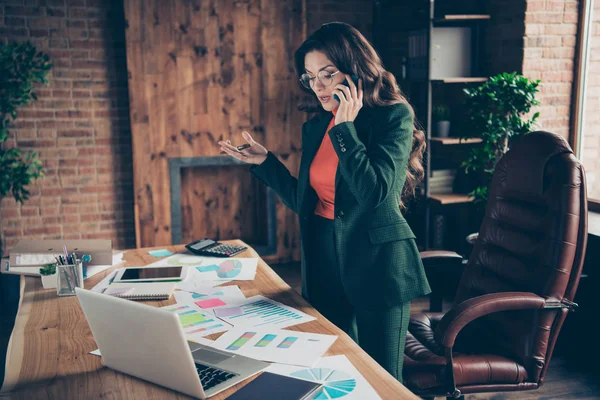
x=151, y=274
x=345, y=83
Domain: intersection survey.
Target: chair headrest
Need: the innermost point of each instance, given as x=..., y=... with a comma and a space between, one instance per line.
x=527, y=158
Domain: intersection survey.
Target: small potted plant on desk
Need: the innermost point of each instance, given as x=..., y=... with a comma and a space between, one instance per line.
x=48, y=273
x=441, y=119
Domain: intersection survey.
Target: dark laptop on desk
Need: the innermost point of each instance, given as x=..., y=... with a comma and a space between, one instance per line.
x=149, y=343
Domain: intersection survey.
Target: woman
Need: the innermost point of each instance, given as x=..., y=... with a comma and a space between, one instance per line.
x=360, y=264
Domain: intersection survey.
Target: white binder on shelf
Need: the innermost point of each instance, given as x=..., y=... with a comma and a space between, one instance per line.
x=28, y=256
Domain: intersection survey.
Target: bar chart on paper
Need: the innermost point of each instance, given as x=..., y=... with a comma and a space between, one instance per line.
x=280, y=345
x=196, y=323
x=265, y=341
x=261, y=312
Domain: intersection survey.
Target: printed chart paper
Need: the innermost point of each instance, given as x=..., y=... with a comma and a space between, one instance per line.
x=281, y=346
x=261, y=312
x=213, y=268
x=208, y=298
x=195, y=282
x=196, y=322
x=340, y=379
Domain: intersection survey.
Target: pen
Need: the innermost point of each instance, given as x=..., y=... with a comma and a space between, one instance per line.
x=240, y=147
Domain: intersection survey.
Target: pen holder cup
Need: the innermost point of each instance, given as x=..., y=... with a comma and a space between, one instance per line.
x=68, y=278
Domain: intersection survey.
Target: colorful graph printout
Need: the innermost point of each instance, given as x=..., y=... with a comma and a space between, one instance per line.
x=224, y=269
x=195, y=322
x=335, y=383
x=241, y=341
x=265, y=341
x=210, y=298
x=261, y=312
x=287, y=342
x=338, y=377
x=283, y=346
x=212, y=268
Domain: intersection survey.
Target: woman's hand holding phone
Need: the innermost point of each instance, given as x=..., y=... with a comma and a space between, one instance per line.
x=251, y=152
x=351, y=100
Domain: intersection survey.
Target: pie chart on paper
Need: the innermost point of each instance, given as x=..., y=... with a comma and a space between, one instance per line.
x=225, y=269
x=335, y=384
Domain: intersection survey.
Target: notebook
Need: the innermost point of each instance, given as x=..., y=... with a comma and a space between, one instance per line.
x=141, y=291
x=276, y=387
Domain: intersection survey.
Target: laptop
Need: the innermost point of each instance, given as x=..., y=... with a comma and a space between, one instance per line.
x=148, y=342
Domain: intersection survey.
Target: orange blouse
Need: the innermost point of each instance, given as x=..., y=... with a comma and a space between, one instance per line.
x=322, y=175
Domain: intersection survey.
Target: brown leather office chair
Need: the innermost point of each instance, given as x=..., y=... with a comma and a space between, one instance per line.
x=518, y=284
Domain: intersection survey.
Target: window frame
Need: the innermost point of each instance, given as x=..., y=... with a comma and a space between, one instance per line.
x=582, y=62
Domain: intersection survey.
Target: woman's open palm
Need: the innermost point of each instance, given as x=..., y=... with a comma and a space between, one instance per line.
x=256, y=153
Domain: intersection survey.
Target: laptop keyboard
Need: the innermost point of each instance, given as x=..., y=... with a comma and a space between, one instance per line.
x=211, y=376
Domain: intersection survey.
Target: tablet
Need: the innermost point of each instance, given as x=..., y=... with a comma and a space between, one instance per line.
x=150, y=274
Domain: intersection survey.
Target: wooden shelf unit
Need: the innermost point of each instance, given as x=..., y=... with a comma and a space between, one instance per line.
x=450, y=198
x=430, y=78
x=455, y=140
x=461, y=80
x=462, y=17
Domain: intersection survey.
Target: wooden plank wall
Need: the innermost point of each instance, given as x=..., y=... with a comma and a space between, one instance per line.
x=201, y=71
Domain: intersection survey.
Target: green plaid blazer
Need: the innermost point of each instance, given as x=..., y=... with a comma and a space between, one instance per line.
x=380, y=262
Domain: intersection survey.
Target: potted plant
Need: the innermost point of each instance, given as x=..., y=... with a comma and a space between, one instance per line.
x=441, y=119
x=498, y=112
x=48, y=273
x=21, y=67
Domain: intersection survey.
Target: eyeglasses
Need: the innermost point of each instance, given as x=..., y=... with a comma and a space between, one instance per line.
x=325, y=77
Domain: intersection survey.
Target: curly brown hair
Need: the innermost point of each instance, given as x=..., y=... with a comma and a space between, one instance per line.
x=352, y=53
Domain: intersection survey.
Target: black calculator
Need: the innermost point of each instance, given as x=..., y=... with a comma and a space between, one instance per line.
x=209, y=247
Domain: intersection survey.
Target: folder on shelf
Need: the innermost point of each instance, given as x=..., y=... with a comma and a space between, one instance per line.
x=28, y=256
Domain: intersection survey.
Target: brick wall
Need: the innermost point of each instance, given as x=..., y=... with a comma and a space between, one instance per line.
x=591, y=133
x=549, y=51
x=79, y=126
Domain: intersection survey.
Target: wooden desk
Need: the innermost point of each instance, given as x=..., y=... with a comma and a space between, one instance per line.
x=48, y=351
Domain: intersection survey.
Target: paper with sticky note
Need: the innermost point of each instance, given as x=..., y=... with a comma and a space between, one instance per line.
x=227, y=312
x=211, y=297
x=211, y=303
x=160, y=253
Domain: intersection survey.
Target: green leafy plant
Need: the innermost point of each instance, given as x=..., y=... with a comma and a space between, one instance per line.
x=49, y=269
x=498, y=113
x=440, y=112
x=21, y=67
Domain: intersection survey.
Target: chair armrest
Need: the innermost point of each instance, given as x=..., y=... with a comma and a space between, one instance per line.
x=439, y=255
x=460, y=315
